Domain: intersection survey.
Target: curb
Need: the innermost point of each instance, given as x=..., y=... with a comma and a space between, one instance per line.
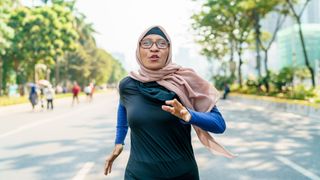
x=295, y=108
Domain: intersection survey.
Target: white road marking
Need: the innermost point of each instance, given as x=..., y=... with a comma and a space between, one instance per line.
x=298, y=168
x=26, y=127
x=84, y=171
x=31, y=125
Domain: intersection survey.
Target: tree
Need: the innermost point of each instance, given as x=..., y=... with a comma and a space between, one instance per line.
x=85, y=30
x=43, y=34
x=266, y=46
x=242, y=36
x=118, y=72
x=89, y=63
x=225, y=26
x=221, y=24
x=283, y=79
x=56, y=36
x=101, y=65
x=6, y=34
x=297, y=16
x=77, y=66
x=259, y=9
x=98, y=66
x=78, y=63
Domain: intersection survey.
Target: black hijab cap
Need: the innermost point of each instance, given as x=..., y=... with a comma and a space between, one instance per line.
x=156, y=30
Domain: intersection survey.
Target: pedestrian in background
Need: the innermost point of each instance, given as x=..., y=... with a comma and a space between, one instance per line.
x=88, y=91
x=226, y=90
x=75, y=93
x=49, y=94
x=42, y=97
x=33, y=96
x=92, y=91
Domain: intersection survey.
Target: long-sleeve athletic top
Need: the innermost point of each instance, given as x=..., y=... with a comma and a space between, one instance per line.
x=211, y=121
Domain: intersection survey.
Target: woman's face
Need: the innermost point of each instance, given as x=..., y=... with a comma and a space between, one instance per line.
x=154, y=51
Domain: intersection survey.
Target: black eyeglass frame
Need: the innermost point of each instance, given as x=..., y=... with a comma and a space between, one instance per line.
x=168, y=44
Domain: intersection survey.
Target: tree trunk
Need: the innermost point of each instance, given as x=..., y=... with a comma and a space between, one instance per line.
x=267, y=78
x=35, y=74
x=298, y=19
x=306, y=59
x=1, y=77
x=57, y=73
x=240, y=63
x=257, y=37
x=232, y=57
x=4, y=75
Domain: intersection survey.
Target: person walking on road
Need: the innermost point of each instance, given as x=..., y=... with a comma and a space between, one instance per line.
x=33, y=96
x=92, y=91
x=226, y=91
x=49, y=94
x=42, y=98
x=88, y=90
x=160, y=103
x=75, y=93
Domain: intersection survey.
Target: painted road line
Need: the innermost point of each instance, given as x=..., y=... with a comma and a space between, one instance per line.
x=25, y=127
x=298, y=168
x=29, y=126
x=84, y=171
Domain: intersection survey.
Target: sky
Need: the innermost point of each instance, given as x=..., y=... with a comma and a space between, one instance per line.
x=120, y=22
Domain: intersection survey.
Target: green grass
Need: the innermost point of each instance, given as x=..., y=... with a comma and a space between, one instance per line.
x=6, y=101
x=278, y=100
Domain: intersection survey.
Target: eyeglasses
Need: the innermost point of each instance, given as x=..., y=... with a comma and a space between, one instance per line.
x=148, y=43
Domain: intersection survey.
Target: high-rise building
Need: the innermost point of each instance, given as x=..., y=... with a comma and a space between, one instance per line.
x=288, y=51
x=290, y=48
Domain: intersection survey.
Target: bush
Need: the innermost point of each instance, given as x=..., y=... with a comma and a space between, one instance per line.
x=219, y=81
x=300, y=92
x=282, y=79
x=316, y=91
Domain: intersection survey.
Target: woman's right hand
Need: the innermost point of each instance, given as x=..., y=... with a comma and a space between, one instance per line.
x=109, y=161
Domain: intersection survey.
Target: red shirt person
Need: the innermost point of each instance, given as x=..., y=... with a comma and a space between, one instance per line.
x=75, y=92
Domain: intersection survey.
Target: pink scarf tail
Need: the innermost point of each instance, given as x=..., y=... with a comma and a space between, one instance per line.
x=209, y=142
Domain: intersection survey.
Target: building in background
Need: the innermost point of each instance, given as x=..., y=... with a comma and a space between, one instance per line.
x=287, y=49
x=189, y=57
x=290, y=49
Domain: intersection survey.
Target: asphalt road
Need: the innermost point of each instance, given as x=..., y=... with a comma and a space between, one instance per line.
x=73, y=142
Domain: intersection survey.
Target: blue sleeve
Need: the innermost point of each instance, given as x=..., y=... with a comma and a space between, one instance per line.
x=122, y=125
x=210, y=121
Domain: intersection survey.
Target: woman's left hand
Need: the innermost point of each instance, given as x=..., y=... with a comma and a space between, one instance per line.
x=177, y=109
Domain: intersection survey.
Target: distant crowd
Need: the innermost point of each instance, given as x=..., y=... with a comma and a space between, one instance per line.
x=42, y=94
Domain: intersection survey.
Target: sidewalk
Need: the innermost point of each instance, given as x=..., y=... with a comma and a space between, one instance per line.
x=305, y=110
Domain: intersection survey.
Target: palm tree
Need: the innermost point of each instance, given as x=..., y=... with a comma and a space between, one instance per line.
x=85, y=30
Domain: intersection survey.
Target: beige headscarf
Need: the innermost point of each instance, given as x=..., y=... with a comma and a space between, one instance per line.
x=194, y=92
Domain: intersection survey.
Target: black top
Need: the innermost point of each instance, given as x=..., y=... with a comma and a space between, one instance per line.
x=160, y=143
